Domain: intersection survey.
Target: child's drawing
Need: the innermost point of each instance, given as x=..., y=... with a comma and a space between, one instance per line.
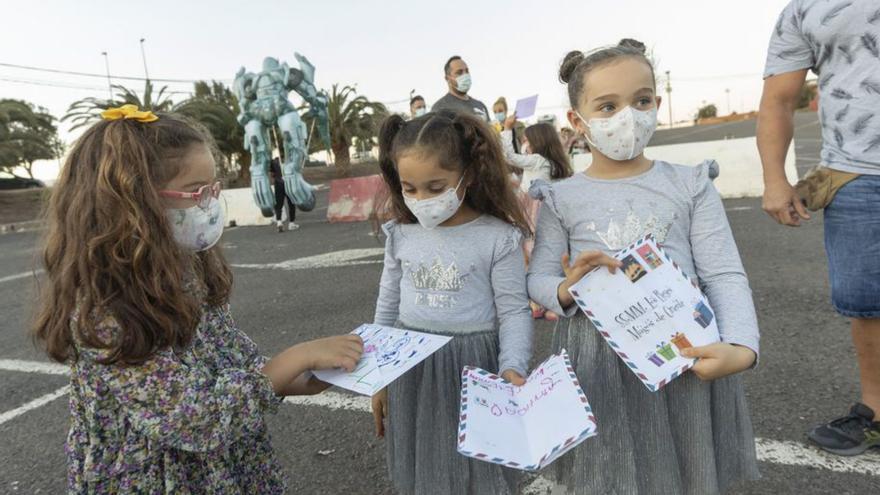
x=388, y=353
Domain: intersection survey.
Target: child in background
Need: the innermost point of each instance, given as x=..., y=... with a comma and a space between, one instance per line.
x=694, y=436
x=453, y=266
x=542, y=157
x=167, y=395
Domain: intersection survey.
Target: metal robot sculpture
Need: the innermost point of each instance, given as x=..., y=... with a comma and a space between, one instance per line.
x=263, y=102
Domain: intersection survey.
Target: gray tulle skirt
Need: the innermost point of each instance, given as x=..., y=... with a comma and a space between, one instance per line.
x=422, y=423
x=689, y=438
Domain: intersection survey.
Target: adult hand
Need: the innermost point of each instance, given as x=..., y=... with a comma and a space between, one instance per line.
x=719, y=360
x=784, y=204
x=380, y=410
x=510, y=121
x=583, y=264
x=513, y=377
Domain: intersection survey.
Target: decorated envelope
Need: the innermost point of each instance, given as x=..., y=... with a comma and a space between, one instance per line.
x=525, y=427
x=648, y=311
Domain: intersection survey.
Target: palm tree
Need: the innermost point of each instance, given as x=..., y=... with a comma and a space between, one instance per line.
x=352, y=117
x=12, y=112
x=215, y=106
x=87, y=110
x=26, y=135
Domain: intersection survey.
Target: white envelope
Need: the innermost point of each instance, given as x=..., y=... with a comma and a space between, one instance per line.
x=525, y=427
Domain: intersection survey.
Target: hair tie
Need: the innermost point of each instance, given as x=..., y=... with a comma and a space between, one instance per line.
x=129, y=112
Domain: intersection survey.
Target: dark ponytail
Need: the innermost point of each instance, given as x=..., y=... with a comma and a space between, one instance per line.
x=576, y=64
x=460, y=142
x=391, y=201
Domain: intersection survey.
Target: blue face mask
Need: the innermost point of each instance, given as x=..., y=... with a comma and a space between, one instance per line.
x=500, y=116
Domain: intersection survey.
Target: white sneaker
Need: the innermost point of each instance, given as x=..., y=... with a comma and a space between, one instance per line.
x=293, y=226
x=280, y=225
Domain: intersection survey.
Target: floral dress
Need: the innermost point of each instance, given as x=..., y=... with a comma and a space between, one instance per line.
x=185, y=421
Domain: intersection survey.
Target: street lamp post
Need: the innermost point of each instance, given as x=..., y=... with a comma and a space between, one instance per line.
x=669, y=97
x=728, y=100
x=107, y=67
x=144, y=57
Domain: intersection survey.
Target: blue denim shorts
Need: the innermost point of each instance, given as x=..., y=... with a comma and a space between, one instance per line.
x=852, y=241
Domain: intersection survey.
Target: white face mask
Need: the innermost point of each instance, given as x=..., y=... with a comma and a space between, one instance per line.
x=421, y=111
x=463, y=83
x=432, y=212
x=624, y=135
x=195, y=228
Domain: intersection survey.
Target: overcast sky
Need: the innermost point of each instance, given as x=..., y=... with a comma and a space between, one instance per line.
x=387, y=48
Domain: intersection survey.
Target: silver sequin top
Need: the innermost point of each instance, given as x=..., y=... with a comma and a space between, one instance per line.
x=677, y=204
x=458, y=280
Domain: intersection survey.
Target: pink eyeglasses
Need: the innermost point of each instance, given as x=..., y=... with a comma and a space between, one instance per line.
x=202, y=196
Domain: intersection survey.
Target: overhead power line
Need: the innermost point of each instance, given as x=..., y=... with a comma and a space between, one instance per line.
x=64, y=85
x=103, y=76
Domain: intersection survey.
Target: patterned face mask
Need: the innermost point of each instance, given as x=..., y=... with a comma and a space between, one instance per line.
x=624, y=135
x=197, y=228
x=432, y=212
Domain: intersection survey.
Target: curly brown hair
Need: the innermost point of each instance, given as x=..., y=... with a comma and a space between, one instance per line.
x=109, y=250
x=460, y=142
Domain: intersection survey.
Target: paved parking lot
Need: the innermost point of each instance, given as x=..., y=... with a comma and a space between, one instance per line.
x=323, y=280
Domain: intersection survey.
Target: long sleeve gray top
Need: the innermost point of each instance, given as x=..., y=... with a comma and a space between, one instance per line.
x=678, y=204
x=459, y=280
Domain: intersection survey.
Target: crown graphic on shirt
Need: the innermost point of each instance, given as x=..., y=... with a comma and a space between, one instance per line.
x=633, y=228
x=437, y=277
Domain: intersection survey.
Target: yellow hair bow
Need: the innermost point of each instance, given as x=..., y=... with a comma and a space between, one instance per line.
x=129, y=112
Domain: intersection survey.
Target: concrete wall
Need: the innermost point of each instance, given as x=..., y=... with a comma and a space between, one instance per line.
x=740, y=177
x=239, y=207
x=741, y=173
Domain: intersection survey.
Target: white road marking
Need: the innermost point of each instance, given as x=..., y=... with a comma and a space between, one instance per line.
x=38, y=402
x=740, y=208
x=347, y=257
x=772, y=451
x=33, y=367
x=17, y=276
x=332, y=400
x=797, y=454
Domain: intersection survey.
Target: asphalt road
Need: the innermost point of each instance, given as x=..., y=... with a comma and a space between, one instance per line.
x=806, y=375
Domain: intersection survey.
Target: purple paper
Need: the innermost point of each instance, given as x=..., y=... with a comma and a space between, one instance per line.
x=525, y=107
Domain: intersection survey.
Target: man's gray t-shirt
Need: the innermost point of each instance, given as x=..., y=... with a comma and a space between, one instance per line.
x=840, y=41
x=471, y=106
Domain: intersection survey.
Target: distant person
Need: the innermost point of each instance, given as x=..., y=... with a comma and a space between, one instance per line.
x=500, y=113
x=542, y=157
x=458, y=79
x=417, y=106
x=284, y=217
x=839, y=42
x=567, y=136
x=167, y=394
